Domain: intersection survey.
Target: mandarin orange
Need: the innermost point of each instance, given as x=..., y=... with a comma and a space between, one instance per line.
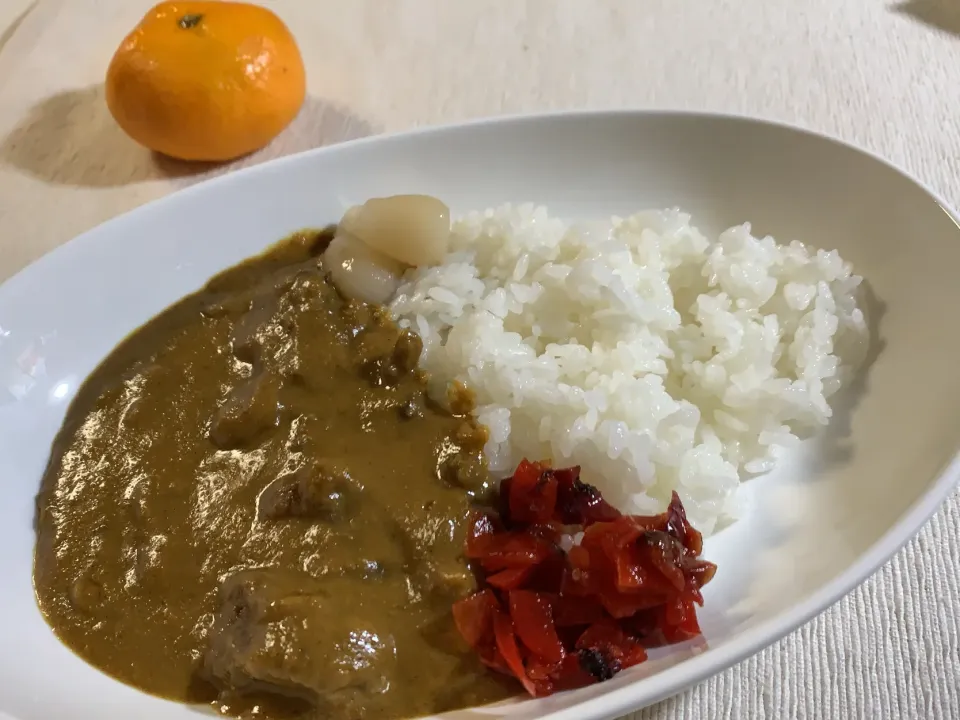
x=206, y=80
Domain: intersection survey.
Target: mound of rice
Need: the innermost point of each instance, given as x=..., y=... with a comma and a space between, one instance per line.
x=656, y=358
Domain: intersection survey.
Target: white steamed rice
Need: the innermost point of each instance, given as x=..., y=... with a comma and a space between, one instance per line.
x=656, y=358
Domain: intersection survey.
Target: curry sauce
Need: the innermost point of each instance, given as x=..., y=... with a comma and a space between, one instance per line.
x=252, y=503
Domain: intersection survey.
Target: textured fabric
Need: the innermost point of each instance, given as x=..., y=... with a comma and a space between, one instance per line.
x=881, y=73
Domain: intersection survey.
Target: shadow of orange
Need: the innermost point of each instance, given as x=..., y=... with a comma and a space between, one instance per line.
x=71, y=139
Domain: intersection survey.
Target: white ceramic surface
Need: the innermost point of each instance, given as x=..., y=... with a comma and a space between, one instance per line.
x=838, y=508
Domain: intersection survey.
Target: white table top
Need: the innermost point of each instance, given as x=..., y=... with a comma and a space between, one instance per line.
x=881, y=73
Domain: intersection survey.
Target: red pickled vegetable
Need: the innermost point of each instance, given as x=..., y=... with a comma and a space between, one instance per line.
x=548, y=574
x=559, y=620
x=480, y=531
x=578, y=669
x=542, y=672
x=579, y=503
x=617, y=649
x=510, y=549
x=570, y=610
x=473, y=616
x=533, y=621
x=632, y=573
x=680, y=528
x=666, y=554
x=511, y=578
x=620, y=533
x=680, y=620
x=701, y=572
x=533, y=494
x=507, y=647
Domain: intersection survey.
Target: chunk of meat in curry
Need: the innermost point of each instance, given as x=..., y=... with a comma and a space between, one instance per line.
x=252, y=503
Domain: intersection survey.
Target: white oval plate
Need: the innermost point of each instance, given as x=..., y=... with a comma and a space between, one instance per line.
x=840, y=506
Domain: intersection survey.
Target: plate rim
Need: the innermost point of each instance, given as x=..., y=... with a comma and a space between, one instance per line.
x=694, y=670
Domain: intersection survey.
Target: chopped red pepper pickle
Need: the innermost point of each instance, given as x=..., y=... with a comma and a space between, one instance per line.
x=559, y=619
